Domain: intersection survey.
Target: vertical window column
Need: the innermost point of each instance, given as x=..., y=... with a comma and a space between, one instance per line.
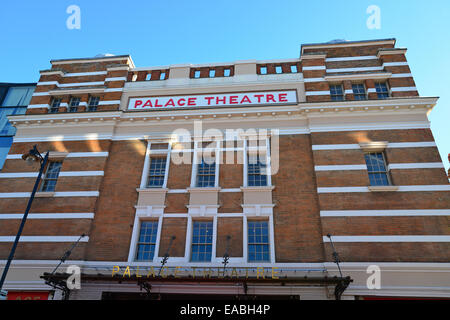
x=51, y=176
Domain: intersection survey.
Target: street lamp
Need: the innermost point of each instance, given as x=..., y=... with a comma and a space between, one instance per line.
x=32, y=156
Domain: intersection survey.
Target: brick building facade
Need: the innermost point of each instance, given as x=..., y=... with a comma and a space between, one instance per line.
x=251, y=162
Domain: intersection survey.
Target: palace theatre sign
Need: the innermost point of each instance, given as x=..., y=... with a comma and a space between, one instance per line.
x=214, y=100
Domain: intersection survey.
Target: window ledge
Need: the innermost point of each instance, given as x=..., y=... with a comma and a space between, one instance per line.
x=44, y=194
x=258, y=188
x=152, y=190
x=382, y=188
x=206, y=189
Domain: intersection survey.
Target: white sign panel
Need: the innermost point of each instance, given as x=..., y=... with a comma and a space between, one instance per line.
x=214, y=100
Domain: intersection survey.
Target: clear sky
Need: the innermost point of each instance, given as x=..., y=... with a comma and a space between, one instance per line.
x=169, y=32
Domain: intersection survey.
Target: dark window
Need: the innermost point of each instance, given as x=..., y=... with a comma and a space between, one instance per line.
x=258, y=241
x=337, y=93
x=93, y=103
x=157, y=172
x=376, y=167
x=256, y=172
x=147, y=240
x=51, y=176
x=74, y=103
x=54, y=107
x=202, y=241
x=382, y=90
x=206, y=174
x=359, y=91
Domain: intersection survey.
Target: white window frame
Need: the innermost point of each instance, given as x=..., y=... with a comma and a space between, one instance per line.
x=148, y=154
x=198, y=153
x=269, y=219
x=247, y=152
x=135, y=237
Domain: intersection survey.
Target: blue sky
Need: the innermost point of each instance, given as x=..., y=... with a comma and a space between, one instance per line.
x=170, y=32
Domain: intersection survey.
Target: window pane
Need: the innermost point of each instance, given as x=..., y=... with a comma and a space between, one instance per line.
x=294, y=69
x=206, y=174
x=157, y=172
x=278, y=69
x=263, y=70
x=258, y=241
x=382, y=90
x=376, y=166
x=51, y=176
x=202, y=241
x=147, y=240
x=256, y=172
x=337, y=93
x=226, y=72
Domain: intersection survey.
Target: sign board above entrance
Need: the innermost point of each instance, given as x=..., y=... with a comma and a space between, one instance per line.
x=214, y=100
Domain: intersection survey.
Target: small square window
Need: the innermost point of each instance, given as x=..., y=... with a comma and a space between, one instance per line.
x=263, y=70
x=226, y=72
x=54, y=108
x=382, y=90
x=93, y=103
x=148, y=76
x=206, y=174
x=359, y=91
x=197, y=74
x=294, y=69
x=212, y=73
x=73, y=104
x=337, y=93
x=162, y=76
x=278, y=69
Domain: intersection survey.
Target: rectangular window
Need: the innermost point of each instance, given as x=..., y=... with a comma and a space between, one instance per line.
x=263, y=70
x=162, y=76
x=73, y=104
x=147, y=241
x=382, y=90
x=376, y=166
x=206, y=173
x=54, y=107
x=202, y=234
x=197, y=74
x=93, y=103
x=256, y=170
x=294, y=69
x=212, y=73
x=157, y=172
x=278, y=69
x=226, y=72
x=359, y=91
x=337, y=93
x=148, y=77
x=258, y=241
x=51, y=176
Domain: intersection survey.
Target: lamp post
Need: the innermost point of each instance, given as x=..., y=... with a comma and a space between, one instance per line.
x=31, y=156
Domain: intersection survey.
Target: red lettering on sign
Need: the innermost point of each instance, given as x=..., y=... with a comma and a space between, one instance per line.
x=209, y=99
x=223, y=100
x=148, y=103
x=181, y=102
x=259, y=96
x=233, y=99
x=192, y=102
x=137, y=103
x=170, y=103
x=270, y=98
x=282, y=97
x=156, y=104
x=246, y=99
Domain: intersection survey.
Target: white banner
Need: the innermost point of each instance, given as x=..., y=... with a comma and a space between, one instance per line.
x=214, y=100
